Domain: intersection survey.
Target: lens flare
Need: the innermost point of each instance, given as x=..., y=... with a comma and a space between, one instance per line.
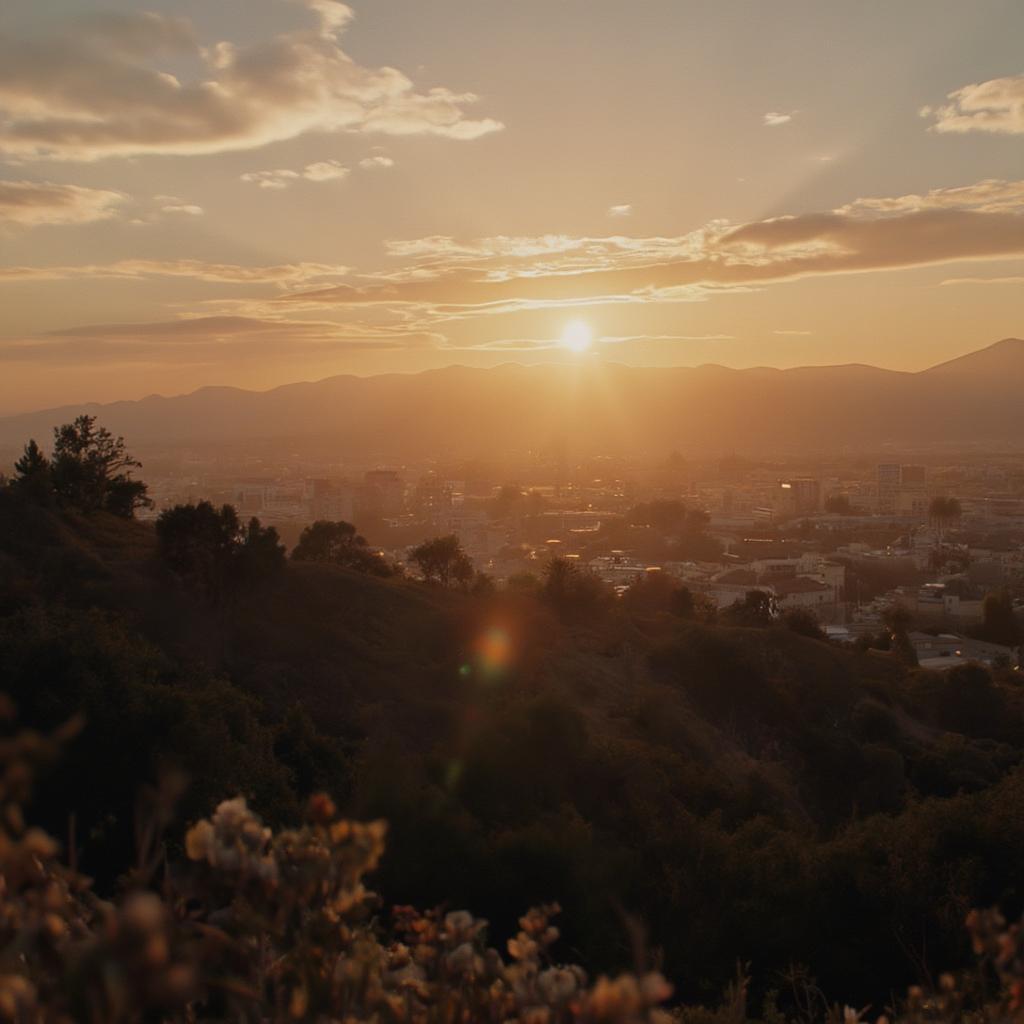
x=493, y=652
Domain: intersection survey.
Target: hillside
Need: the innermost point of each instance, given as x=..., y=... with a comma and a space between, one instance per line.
x=729, y=787
x=592, y=407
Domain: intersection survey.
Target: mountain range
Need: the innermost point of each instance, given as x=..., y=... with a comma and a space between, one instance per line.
x=591, y=406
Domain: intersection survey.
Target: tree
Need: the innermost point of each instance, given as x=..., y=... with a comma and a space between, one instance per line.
x=897, y=620
x=943, y=513
x=338, y=543
x=573, y=592
x=443, y=561
x=999, y=623
x=655, y=592
x=33, y=474
x=758, y=608
x=804, y=622
x=92, y=471
x=508, y=500
x=838, y=504
x=258, y=555
x=197, y=543
x=213, y=552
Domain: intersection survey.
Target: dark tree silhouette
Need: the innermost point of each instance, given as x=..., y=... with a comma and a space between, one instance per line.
x=804, y=622
x=258, y=555
x=338, y=543
x=443, y=561
x=758, y=608
x=944, y=513
x=898, y=620
x=33, y=476
x=91, y=470
x=838, y=504
x=211, y=551
x=574, y=592
x=1000, y=624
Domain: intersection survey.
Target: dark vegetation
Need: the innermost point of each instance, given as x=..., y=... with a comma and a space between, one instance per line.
x=739, y=790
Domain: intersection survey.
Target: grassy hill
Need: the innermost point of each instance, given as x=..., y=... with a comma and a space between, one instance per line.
x=731, y=789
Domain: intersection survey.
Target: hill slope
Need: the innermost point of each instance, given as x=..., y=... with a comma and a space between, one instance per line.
x=732, y=788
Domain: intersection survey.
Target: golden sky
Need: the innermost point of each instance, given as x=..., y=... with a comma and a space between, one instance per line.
x=253, y=192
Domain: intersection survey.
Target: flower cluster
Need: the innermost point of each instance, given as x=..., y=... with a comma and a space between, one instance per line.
x=264, y=927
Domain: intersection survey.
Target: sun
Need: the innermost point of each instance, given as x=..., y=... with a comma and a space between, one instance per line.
x=577, y=336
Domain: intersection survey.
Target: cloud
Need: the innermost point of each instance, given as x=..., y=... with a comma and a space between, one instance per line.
x=1011, y=279
x=31, y=203
x=444, y=278
x=623, y=210
x=213, y=340
x=174, y=204
x=186, y=328
x=371, y=163
x=774, y=118
x=288, y=274
x=793, y=334
x=101, y=86
x=277, y=180
x=989, y=196
x=325, y=170
x=322, y=170
x=993, y=106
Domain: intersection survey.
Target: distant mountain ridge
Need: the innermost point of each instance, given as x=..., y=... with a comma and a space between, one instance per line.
x=592, y=408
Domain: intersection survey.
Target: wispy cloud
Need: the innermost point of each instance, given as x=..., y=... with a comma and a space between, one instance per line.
x=211, y=341
x=793, y=334
x=175, y=204
x=379, y=162
x=776, y=118
x=321, y=171
x=622, y=210
x=1011, y=279
x=445, y=277
x=282, y=275
x=32, y=203
x=993, y=106
x=100, y=85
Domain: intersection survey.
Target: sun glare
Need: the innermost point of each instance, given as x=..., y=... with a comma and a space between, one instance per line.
x=577, y=336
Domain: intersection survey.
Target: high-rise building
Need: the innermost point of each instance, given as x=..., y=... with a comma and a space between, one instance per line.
x=889, y=476
x=800, y=495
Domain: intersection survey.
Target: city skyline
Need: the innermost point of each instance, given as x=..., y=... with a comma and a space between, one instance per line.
x=253, y=194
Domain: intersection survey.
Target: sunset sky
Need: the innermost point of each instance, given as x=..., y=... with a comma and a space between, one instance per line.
x=253, y=192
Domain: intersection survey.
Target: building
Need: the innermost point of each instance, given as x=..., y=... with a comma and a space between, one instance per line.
x=947, y=650
x=384, y=492
x=889, y=476
x=801, y=592
x=799, y=496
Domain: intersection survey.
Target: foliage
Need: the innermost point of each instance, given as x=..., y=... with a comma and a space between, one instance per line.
x=944, y=511
x=33, y=476
x=758, y=608
x=263, y=926
x=443, y=561
x=575, y=593
x=804, y=622
x=838, y=504
x=90, y=471
x=999, y=620
x=731, y=788
x=338, y=543
x=213, y=553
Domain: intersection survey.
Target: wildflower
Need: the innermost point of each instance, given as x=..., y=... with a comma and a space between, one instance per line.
x=559, y=984
x=321, y=809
